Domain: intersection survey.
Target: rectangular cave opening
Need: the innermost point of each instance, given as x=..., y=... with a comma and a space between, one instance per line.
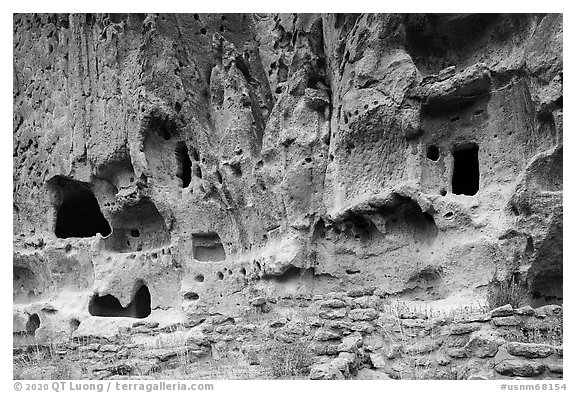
x=466, y=174
x=207, y=247
x=109, y=306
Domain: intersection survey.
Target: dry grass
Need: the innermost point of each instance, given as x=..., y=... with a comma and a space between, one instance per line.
x=45, y=362
x=427, y=311
x=287, y=361
x=505, y=292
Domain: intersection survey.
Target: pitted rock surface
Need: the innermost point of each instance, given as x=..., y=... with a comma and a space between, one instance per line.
x=181, y=167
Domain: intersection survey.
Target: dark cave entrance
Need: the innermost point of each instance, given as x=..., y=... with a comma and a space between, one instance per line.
x=184, y=164
x=78, y=213
x=466, y=174
x=547, y=288
x=109, y=306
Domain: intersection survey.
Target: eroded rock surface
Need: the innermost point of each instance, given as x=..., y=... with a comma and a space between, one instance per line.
x=174, y=167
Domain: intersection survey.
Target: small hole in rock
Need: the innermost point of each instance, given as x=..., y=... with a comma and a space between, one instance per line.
x=191, y=296
x=134, y=233
x=220, y=275
x=433, y=153
x=236, y=169
x=199, y=278
x=74, y=324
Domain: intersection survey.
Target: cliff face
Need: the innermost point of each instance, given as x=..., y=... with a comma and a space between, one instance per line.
x=183, y=165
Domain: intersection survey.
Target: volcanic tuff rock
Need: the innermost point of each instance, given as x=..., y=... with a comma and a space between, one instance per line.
x=176, y=167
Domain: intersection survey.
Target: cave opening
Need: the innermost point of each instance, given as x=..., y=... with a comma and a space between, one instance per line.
x=547, y=288
x=184, y=164
x=78, y=212
x=109, y=306
x=207, y=247
x=466, y=174
x=405, y=219
x=163, y=126
x=137, y=227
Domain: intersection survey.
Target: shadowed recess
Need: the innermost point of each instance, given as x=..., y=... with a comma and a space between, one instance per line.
x=78, y=213
x=137, y=227
x=184, y=164
x=466, y=175
x=109, y=306
x=207, y=247
x=32, y=324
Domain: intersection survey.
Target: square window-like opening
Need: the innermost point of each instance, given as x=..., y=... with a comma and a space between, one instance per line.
x=466, y=174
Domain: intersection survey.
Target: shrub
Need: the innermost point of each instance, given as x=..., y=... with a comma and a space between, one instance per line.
x=287, y=361
x=505, y=292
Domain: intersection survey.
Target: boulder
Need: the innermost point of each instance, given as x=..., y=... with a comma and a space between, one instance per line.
x=529, y=350
x=520, y=368
x=325, y=371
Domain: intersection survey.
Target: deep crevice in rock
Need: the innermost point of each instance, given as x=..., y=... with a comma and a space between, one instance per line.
x=184, y=164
